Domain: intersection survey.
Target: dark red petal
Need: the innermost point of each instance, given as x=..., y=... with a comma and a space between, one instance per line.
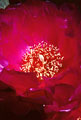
x=77, y=94
x=19, y=81
x=75, y=114
x=61, y=97
x=62, y=93
x=67, y=108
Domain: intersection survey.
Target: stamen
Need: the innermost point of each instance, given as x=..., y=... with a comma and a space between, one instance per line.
x=43, y=59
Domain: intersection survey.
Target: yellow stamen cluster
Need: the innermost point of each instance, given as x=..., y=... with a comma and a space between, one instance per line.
x=43, y=59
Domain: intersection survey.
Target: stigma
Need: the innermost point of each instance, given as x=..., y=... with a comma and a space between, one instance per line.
x=43, y=59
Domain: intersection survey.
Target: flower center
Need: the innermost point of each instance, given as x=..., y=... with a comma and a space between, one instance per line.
x=43, y=59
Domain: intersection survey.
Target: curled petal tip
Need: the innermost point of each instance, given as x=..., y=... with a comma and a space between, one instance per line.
x=66, y=110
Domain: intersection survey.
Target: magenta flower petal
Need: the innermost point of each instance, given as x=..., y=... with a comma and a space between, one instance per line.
x=3, y=63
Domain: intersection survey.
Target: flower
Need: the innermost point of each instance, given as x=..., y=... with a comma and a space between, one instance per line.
x=24, y=25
